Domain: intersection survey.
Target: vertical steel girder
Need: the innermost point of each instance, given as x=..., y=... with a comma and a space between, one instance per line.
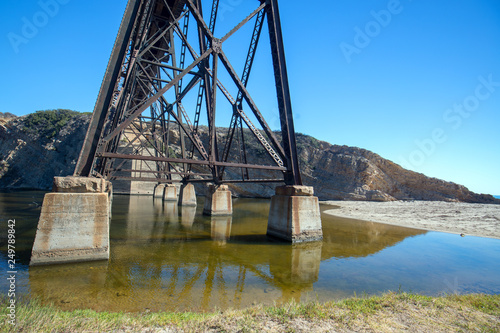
x=292, y=175
x=143, y=98
x=104, y=99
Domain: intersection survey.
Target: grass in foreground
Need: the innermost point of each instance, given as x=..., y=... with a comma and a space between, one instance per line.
x=390, y=312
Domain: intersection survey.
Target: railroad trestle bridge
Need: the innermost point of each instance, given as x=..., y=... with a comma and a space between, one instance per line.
x=172, y=70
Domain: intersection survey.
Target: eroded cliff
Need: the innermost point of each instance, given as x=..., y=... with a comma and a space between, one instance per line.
x=32, y=152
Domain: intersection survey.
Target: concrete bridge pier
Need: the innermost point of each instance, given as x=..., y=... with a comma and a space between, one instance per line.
x=218, y=201
x=187, y=195
x=170, y=193
x=159, y=191
x=294, y=215
x=74, y=222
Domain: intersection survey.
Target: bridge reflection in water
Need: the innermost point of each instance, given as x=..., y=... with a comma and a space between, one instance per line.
x=165, y=257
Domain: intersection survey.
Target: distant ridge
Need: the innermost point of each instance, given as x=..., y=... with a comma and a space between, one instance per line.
x=37, y=147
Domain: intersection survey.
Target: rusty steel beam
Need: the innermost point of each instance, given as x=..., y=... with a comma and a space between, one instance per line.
x=168, y=181
x=137, y=112
x=292, y=176
x=142, y=99
x=198, y=162
x=86, y=158
x=165, y=172
x=236, y=181
x=146, y=179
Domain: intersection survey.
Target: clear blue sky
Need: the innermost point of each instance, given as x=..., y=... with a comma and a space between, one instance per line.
x=416, y=81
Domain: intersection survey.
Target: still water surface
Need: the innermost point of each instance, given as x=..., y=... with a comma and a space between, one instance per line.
x=164, y=257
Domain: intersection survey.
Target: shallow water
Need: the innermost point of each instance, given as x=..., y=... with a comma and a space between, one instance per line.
x=164, y=257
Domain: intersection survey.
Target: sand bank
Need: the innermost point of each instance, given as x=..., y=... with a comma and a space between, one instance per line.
x=453, y=217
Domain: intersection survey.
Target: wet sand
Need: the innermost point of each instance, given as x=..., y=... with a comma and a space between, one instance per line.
x=453, y=217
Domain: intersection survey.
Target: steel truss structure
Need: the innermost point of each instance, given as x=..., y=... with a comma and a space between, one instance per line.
x=166, y=70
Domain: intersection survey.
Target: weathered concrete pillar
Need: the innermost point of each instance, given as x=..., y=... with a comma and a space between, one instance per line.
x=159, y=190
x=294, y=215
x=187, y=195
x=170, y=193
x=74, y=222
x=218, y=201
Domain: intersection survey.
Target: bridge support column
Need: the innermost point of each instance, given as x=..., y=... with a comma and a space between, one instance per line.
x=218, y=201
x=187, y=195
x=170, y=193
x=159, y=191
x=294, y=215
x=74, y=222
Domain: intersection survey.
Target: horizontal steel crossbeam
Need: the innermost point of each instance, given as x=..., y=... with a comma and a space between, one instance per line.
x=142, y=112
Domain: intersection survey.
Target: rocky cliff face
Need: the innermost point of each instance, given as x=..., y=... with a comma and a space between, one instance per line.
x=30, y=156
x=341, y=172
x=30, y=159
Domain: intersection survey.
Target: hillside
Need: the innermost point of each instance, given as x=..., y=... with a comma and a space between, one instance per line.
x=33, y=151
x=39, y=146
x=340, y=172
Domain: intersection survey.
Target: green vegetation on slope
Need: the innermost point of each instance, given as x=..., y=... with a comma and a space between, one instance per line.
x=47, y=123
x=390, y=312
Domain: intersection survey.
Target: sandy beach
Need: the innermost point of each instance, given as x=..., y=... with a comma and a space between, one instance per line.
x=452, y=217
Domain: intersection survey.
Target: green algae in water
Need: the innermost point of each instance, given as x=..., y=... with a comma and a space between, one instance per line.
x=170, y=258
